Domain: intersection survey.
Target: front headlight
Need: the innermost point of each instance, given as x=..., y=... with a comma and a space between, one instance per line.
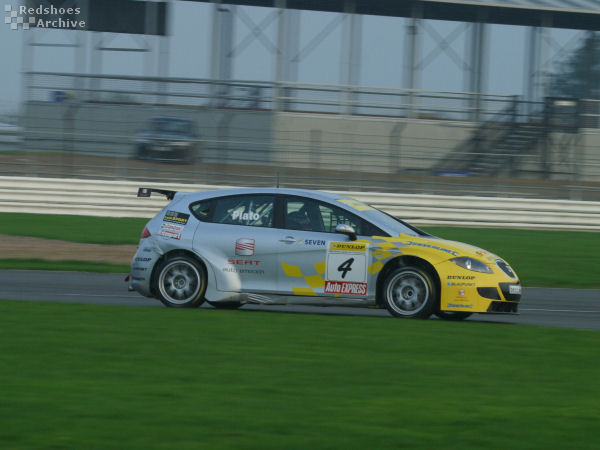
x=471, y=264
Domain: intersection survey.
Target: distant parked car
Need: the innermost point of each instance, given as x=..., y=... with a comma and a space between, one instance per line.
x=167, y=139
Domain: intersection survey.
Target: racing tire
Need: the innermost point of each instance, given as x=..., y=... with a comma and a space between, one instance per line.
x=409, y=292
x=453, y=315
x=225, y=305
x=180, y=282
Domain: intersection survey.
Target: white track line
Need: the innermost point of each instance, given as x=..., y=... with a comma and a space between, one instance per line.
x=558, y=310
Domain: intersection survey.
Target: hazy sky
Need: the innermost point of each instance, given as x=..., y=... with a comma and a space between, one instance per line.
x=382, y=52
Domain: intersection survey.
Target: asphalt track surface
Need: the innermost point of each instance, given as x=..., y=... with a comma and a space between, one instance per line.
x=567, y=308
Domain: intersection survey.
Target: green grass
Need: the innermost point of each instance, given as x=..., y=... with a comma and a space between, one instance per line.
x=86, y=229
x=86, y=376
x=540, y=257
x=71, y=266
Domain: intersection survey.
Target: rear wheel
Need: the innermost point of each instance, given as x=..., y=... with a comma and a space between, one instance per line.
x=409, y=292
x=181, y=282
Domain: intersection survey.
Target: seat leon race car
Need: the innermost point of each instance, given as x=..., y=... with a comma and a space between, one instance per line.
x=281, y=246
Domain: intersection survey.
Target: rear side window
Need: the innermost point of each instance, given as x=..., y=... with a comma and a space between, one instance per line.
x=201, y=210
x=246, y=210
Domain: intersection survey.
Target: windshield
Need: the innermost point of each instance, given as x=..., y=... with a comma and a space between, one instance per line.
x=170, y=126
x=389, y=222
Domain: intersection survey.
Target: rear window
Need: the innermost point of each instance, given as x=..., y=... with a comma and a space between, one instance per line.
x=201, y=210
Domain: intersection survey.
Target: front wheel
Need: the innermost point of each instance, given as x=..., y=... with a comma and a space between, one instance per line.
x=181, y=282
x=409, y=292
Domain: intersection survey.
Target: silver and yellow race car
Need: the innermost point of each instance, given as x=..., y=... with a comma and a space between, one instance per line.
x=282, y=246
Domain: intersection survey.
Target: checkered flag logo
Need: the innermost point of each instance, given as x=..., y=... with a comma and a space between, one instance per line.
x=14, y=20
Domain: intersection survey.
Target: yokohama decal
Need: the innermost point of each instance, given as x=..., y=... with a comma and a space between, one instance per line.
x=341, y=287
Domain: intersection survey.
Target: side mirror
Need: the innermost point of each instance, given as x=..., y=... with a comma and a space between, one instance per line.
x=342, y=228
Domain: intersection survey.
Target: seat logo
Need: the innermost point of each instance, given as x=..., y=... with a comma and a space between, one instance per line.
x=244, y=247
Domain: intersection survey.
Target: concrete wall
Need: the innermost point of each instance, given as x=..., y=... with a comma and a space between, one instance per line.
x=589, y=156
x=373, y=144
x=294, y=140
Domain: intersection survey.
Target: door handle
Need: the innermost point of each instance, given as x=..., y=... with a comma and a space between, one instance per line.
x=288, y=239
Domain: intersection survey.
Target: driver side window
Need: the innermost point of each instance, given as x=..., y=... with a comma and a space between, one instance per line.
x=311, y=215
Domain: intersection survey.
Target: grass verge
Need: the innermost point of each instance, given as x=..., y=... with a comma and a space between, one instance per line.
x=69, y=266
x=85, y=376
x=86, y=229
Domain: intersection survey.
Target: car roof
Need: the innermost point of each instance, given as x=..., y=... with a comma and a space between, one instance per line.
x=319, y=195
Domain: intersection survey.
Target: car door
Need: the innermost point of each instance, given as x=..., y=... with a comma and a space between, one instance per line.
x=310, y=262
x=237, y=239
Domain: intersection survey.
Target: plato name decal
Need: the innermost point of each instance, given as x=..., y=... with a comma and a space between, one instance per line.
x=239, y=215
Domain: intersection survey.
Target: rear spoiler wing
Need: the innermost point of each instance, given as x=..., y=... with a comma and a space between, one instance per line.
x=147, y=192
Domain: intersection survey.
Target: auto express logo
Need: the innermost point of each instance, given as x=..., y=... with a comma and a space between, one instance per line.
x=50, y=17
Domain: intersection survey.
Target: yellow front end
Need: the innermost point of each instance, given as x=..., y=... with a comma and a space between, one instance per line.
x=471, y=279
x=470, y=291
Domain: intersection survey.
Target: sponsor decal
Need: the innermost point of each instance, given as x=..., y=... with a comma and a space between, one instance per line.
x=458, y=305
x=355, y=204
x=339, y=287
x=346, y=268
x=239, y=215
x=139, y=258
x=460, y=284
x=514, y=289
x=243, y=262
x=435, y=247
x=314, y=242
x=348, y=246
x=461, y=277
x=171, y=226
x=176, y=217
x=244, y=247
x=169, y=234
x=461, y=292
x=138, y=278
x=241, y=270
x=140, y=269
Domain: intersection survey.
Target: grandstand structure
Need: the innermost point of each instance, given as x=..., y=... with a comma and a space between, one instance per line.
x=294, y=126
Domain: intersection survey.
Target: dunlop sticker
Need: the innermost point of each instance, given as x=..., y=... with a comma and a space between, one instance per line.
x=348, y=246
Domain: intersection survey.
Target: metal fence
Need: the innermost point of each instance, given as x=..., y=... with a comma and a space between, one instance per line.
x=287, y=96
x=307, y=135
x=118, y=199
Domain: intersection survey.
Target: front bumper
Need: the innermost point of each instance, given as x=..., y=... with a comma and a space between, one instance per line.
x=468, y=291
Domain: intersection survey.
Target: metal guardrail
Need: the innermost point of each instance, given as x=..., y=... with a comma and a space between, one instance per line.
x=118, y=199
x=282, y=96
x=263, y=95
